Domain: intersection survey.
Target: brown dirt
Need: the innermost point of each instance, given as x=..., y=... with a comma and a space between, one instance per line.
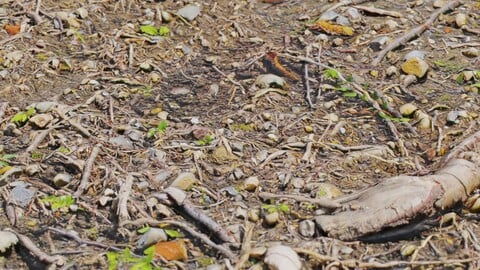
x=215, y=60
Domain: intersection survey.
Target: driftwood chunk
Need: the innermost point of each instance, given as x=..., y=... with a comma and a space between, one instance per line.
x=402, y=199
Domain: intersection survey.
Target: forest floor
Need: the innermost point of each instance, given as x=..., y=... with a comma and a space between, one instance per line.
x=130, y=123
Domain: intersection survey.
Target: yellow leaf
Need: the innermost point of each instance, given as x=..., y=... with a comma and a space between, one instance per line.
x=333, y=29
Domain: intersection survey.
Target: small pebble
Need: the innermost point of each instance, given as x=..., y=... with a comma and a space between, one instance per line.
x=306, y=228
x=272, y=219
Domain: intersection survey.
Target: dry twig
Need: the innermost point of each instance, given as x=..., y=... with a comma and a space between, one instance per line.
x=37, y=252
x=87, y=171
x=123, y=195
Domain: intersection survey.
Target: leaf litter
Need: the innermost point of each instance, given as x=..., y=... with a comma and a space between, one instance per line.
x=96, y=136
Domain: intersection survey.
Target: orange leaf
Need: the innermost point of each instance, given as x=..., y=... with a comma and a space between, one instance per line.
x=272, y=58
x=12, y=29
x=171, y=250
x=333, y=29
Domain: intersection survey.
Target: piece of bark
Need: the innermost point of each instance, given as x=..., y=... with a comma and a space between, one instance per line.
x=399, y=200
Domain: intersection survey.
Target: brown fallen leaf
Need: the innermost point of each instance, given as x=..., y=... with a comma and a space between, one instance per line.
x=12, y=29
x=332, y=29
x=171, y=250
x=272, y=59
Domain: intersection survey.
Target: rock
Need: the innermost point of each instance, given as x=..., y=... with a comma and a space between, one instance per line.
x=391, y=24
x=461, y=19
x=439, y=3
x=327, y=190
x=152, y=236
x=407, y=109
x=423, y=119
x=121, y=141
x=329, y=16
x=240, y=213
x=270, y=80
x=21, y=194
x=253, y=215
x=82, y=13
x=306, y=228
x=452, y=117
x=41, y=120
x=7, y=239
x=45, y=106
x=353, y=14
x=471, y=52
x=407, y=80
x=184, y=181
x=251, y=183
x=166, y=16
x=32, y=169
x=415, y=66
x=415, y=53
x=179, y=91
x=272, y=219
x=189, y=12
x=378, y=43
x=62, y=179
x=391, y=70
x=282, y=257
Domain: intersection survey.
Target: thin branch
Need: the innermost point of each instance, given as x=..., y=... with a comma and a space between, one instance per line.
x=87, y=171
x=37, y=252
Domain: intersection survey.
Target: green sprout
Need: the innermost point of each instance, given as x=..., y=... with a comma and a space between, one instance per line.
x=205, y=141
x=161, y=127
x=271, y=208
x=57, y=202
x=116, y=260
x=21, y=117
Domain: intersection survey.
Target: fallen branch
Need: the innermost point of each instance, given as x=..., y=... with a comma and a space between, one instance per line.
x=74, y=236
x=246, y=246
x=3, y=107
x=37, y=252
x=178, y=196
x=417, y=31
x=123, y=195
x=87, y=171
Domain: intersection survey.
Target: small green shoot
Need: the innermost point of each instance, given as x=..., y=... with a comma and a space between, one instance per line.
x=63, y=150
x=57, y=202
x=143, y=229
x=172, y=233
x=5, y=157
x=330, y=73
x=160, y=129
x=149, y=30
x=271, y=208
x=78, y=35
x=36, y=155
x=393, y=119
x=21, y=117
x=163, y=31
x=205, y=141
x=119, y=259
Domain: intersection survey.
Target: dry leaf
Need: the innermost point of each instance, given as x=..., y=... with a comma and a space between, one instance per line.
x=12, y=29
x=171, y=250
x=333, y=29
x=272, y=59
